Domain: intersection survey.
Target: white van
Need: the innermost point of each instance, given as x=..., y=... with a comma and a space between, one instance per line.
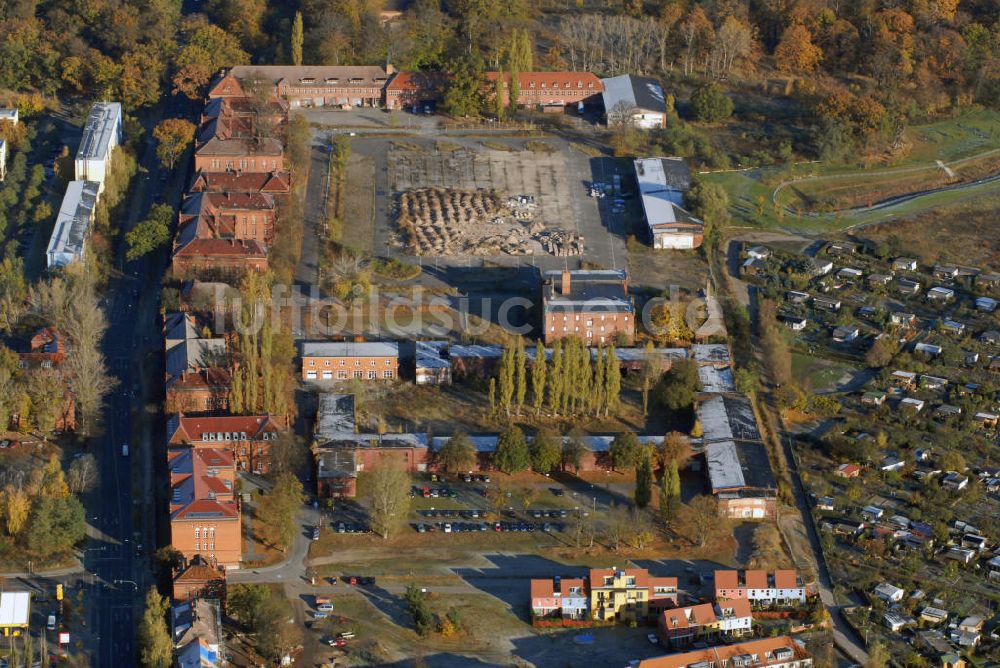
x=124, y=449
x=51, y=624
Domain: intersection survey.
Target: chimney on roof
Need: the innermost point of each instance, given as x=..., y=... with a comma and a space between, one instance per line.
x=565, y=288
x=389, y=68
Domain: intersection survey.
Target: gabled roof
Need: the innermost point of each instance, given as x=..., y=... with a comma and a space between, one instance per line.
x=644, y=93
x=241, y=182
x=266, y=146
x=209, y=248
x=727, y=579
x=755, y=579
x=191, y=429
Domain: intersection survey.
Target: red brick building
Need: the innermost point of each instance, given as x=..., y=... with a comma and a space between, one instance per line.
x=413, y=89
x=248, y=436
x=593, y=305
x=204, y=516
x=551, y=89
x=272, y=183
x=202, y=391
x=216, y=258
x=241, y=154
x=230, y=215
x=199, y=579
x=304, y=86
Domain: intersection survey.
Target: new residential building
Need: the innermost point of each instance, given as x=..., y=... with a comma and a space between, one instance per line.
x=782, y=587
x=779, y=652
x=628, y=594
x=101, y=134
x=72, y=228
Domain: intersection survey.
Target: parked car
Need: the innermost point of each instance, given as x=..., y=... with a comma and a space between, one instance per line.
x=653, y=638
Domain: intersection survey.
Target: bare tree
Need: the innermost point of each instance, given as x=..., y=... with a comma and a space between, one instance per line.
x=71, y=305
x=699, y=518
x=390, y=496
x=618, y=527
x=83, y=474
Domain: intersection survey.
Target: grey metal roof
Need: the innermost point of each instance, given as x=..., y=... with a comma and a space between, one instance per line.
x=711, y=353
x=350, y=349
x=714, y=379
x=739, y=466
x=725, y=418
x=69, y=235
x=431, y=355
x=334, y=416
x=640, y=92
x=100, y=134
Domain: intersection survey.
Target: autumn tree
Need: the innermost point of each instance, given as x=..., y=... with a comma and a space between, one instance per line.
x=521, y=373
x=796, y=53
x=277, y=511
x=208, y=49
x=173, y=136
x=15, y=505
x=155, y=645
x=296, y=40
x=881, y=352
x=390, y=485
x=538, y=370
x=675, y=447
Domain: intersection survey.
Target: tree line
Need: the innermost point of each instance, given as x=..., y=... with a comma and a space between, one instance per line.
x=573, y=382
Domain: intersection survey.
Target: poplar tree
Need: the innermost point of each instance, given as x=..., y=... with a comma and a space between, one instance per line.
x=643, y=480
x=297, y=39
x=672, y=482
x=612, y=380
x=597, y=389
x=665, y=499
x=498, y=91
x=493, y=396
x=538, y=372
x=507, y=380
x=521, y=367
x=554, y=381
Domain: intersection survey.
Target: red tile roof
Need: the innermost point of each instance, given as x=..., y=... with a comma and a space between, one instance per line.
x=554, y=80
x=785, y=579
x=190, y=429
x=727, y=579
x=755, y=579
x=205, y=509
x=273, y=182
x=723, y=654
x=740, y=606
x=208, y=248
x=416, y=81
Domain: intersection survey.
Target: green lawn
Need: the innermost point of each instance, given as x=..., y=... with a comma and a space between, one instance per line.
x=752, y=193
x=822, y=375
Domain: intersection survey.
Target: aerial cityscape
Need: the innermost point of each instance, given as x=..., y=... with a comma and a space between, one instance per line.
x=538, y=333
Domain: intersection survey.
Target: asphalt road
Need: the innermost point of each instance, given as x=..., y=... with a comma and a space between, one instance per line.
x=118, y=574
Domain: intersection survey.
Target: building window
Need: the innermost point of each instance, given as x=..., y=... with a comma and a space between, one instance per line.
x=372, y=375
x=342, y=362
x=373, y=362
x=388, y=362
x=341, y=375
x=197, y=547
x=359, y=374
x=326, y=363
x=357, y=362
x=312, y=362
x=197, y=532
x=387, y=374
x=590, y=323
